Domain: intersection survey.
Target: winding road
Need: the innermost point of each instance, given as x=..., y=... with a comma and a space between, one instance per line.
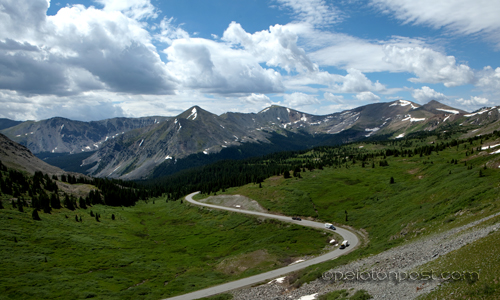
x=346, y=234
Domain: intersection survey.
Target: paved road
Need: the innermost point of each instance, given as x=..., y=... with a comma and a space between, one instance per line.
x=346, y=234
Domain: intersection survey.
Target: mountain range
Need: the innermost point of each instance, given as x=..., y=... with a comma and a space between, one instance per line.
x=133, y=148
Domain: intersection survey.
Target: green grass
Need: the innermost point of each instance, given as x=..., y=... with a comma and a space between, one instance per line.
x=150, y=251
x=430, y=194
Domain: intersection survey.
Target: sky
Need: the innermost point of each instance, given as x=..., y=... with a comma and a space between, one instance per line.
x=99, y=59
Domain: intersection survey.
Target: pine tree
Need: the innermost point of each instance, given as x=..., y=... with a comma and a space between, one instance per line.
x=76, y=218
x=392, y=180
x=113, y=217
x=82, y=203
x=35, y=215
x=260, y=184
x=68, y=203
x=20, y=205
x=54, y=201
x=97, y=217
x=91, y=213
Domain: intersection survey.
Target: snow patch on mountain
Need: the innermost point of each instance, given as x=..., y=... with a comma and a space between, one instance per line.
x=403, y=103
x=478, y=113
x=489, y=147
x=451, y=111
x=411, y=119
x=193, y=113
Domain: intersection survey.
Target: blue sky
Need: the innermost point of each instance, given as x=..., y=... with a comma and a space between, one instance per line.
x=91, y=60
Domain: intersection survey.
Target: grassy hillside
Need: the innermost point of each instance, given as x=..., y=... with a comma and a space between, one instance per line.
x=431, y=190
x=150, y=251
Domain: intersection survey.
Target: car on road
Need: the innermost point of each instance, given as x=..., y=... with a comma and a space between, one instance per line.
x=344, y=244
x=296, y=219
x=330, y=226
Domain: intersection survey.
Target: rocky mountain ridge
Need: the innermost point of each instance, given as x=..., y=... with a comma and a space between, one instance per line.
x=134, y=148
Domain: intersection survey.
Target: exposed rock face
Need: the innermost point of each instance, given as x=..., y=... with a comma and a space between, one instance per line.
x=60, y=135
x=133, y=148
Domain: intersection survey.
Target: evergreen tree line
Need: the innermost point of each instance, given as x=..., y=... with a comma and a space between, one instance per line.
x=230, y=173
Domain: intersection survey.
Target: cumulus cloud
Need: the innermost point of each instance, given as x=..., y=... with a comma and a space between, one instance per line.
x=276, y=47
x=430, y=66
x=216, y=68
x=357, y=82
x=463, y=17
x=298, y=99
x=489, y=79
x=85, y=107
x=135, y=9
x=333, y=98
x=77, y=50
x=170, y=32
x=473, y=101
x=426, y=94
x=353, y=82
x=256, y=98
x=367, y=96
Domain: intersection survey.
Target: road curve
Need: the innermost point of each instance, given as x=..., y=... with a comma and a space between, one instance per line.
x=346, y=234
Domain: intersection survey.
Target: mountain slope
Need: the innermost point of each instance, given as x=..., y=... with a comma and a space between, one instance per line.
x=16, y=156
x=134, y=148
x=7, y=123
x=60, y=135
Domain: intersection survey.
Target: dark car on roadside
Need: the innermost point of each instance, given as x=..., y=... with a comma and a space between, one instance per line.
x=296, y=219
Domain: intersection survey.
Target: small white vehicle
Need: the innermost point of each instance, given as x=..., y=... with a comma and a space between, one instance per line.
x=329, y=226
x=344, y=244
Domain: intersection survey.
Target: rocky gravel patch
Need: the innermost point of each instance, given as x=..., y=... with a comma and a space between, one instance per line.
x=234, y=201
x=368, y=273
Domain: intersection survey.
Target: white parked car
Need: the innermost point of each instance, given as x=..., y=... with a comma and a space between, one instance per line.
x=344, y=244
x=329, y=226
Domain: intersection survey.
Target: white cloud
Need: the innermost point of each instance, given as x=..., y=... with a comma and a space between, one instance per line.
x=216, y=68
x=333, y=98
x=460, y=16
x=298, y=99
x=316, y=12
x=426, y=94
x=84, y=107
x=169, y=32
x=357, y=82
x=256, y=98
x=277, y=47
x=353, y=82
x=77, y=50
x=367, y=96
x=473, y=101
x=430, y=66
x=135, y=9
x=488, y=79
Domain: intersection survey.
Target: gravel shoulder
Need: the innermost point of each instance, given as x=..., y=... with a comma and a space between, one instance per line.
x=369, y=272
x=235, y=201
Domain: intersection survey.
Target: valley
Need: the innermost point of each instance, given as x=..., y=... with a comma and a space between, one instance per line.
x=426, y=182
x=150, y=251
